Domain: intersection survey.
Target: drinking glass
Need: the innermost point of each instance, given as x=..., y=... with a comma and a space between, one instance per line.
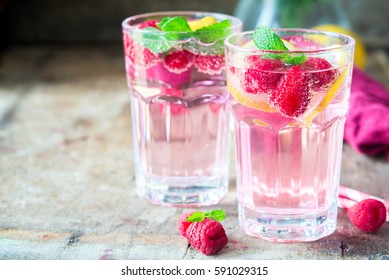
x=289, y=109
x=180, y=121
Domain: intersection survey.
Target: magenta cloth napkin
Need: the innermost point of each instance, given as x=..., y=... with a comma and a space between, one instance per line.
x=367, y=124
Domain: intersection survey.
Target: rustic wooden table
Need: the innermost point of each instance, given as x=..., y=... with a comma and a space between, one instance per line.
x=66, y=170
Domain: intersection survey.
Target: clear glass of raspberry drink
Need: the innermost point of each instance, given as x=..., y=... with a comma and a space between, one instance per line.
x=180, y=123
x=289, y=97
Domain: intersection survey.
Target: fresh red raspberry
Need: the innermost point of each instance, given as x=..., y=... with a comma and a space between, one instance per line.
x=323, y=74
x=207, y=236
x=183, y=224
x=260, y=76
x=367, y=215
x=137, y=54
x=128, y=45
x=149, y=23
x=292, y=96
x=147, y=58
x=209, y=64
x=178, y=61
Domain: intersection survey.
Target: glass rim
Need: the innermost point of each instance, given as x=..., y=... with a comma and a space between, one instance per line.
x=349, y=43
x=236, y=23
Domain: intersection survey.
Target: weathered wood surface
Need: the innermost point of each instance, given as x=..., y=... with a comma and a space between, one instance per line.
x=66, y=171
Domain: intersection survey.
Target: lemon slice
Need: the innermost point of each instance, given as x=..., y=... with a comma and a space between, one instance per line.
x=327, y=99
x=200, y=23
x=289, y=45
x=250, y=102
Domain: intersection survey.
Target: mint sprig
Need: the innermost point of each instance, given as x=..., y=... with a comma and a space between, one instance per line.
x=155, y=41
x=217, y=215
x=214, y=32
x=174, y=24
x=266, y=39
x=173, y=29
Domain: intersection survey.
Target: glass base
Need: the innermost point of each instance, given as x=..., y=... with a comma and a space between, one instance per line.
x=287, y=227
x=183, y=192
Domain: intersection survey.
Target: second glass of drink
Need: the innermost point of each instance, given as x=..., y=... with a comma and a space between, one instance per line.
x=180, y=122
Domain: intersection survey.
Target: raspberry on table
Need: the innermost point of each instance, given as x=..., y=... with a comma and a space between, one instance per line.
x=292, y=95
x=203, y=231
x=261, y=75
x=207, y=236
x=183, y=224
x=367, y=215
x=178, y=61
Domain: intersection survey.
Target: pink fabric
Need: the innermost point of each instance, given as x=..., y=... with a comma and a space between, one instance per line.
x=367, y=124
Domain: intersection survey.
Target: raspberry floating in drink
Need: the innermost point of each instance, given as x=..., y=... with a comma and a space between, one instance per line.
x=262, y=74
x=292, y=95
x=178, y=61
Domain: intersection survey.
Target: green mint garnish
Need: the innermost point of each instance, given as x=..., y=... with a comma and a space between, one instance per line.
x=214, y=32
x=155, y=41
x=265, y=39
x=196, y=217
x=174, y=24
x=173, y=29
x=217, y=215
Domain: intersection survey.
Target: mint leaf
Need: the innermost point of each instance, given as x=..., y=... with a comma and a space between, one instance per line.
x=214, y=32
x=218, y=215
x=294, y=60
x=155, y=41
x=174, y=24
x=265, y=39
x=196, y=217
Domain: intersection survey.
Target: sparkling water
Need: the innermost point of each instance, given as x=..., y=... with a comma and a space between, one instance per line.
x=181, y=142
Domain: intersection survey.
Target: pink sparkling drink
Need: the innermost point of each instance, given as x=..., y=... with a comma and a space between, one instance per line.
x=180, y=121
x=289, y=120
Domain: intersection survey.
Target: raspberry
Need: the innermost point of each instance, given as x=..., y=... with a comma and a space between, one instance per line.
x=207, y=236
x=128, y=45
x=323, y=75
x=209, y=64
x=178, y=61
x=367, y=215
x=138, y=55
x=183, y=224
x=149, y=23
x=260, y=77
x=292, y=96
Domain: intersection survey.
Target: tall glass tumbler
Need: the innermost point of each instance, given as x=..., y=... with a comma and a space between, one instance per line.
x=289, y=109
x=180, y=122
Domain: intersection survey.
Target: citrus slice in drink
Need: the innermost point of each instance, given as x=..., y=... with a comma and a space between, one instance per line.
x=200, y=23
x=327, y=99
x=251, y=100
